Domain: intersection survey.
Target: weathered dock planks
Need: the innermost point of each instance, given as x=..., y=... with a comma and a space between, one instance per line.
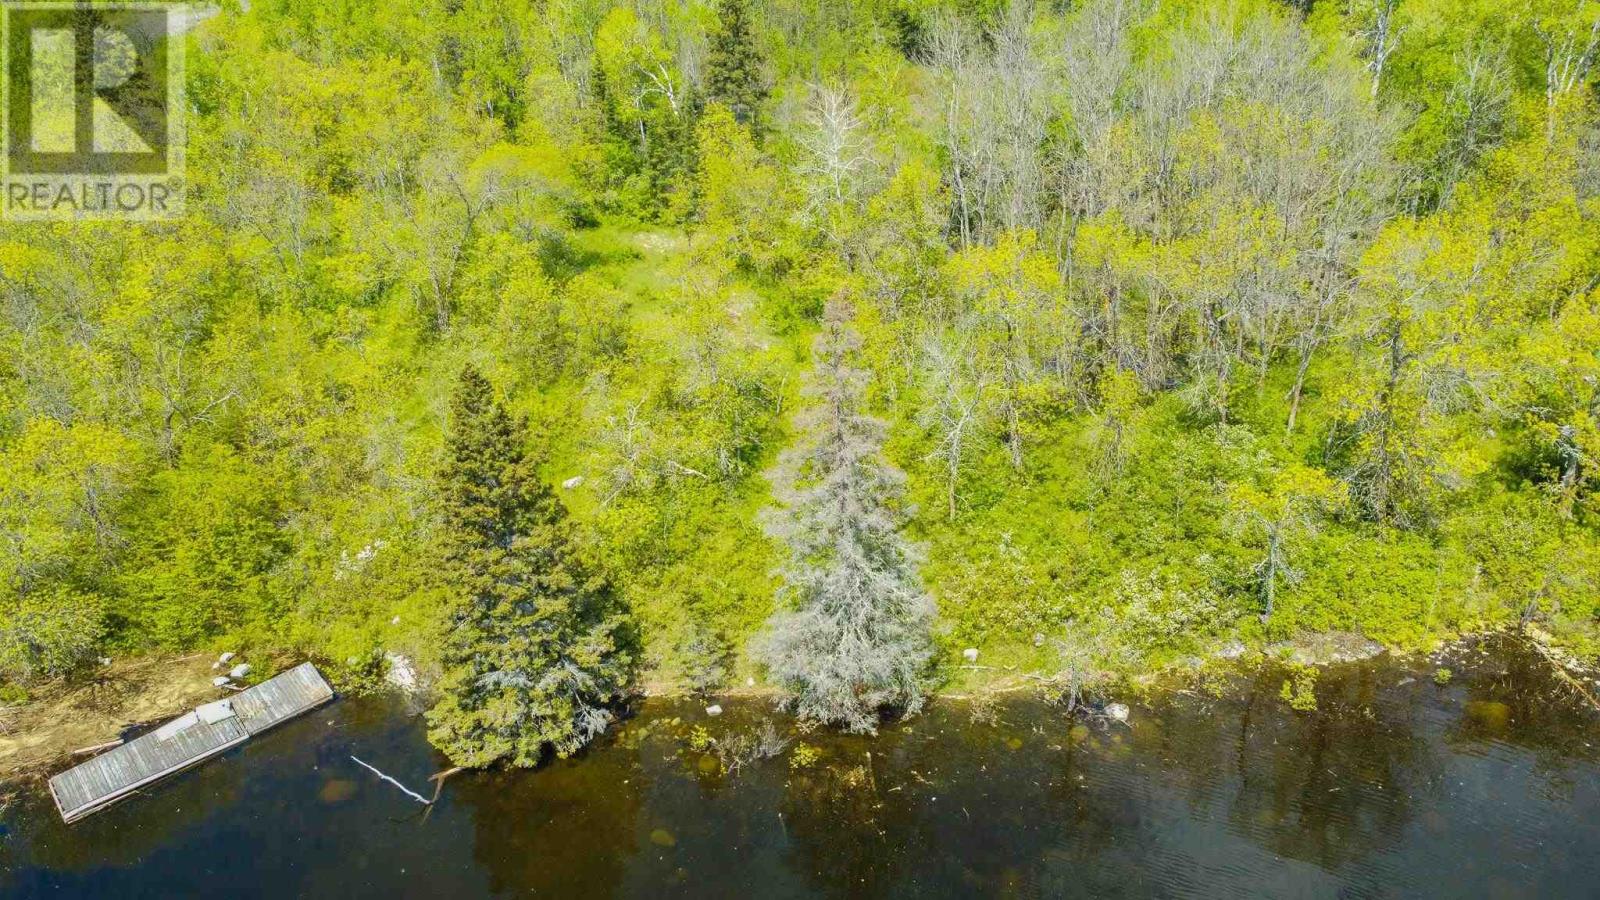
x=192, y=738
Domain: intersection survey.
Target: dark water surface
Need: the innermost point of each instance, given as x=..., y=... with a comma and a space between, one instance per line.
x=1486, y=787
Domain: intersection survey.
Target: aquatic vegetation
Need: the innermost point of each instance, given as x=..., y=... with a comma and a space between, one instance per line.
x=804, y=756
x=984, y=709
x=699, y=739
x=1300, y=688
x=745, y=747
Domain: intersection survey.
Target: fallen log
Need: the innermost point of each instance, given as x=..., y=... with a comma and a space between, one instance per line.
x=374, y=769
x=438, y=781
x=97, y=747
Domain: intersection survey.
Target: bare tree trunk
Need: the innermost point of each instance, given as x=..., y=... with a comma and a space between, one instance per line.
x=1384, y=41
x=1299, y=385
x=1383, y=481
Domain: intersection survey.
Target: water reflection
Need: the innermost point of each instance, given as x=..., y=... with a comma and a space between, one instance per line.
x=1335, y=784
x=568, y=830
x=1393, y=786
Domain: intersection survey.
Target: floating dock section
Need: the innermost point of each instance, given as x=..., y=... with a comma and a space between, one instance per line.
x=191, y=738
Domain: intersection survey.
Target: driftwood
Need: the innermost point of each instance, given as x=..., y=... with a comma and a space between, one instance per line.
x=374, y=769
x=1560, y=670
x=97, y=747
x=438, y=781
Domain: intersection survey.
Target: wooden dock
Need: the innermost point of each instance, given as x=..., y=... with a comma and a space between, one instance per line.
x=191, y=738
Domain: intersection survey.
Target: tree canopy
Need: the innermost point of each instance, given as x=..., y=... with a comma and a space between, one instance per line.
x=1184, y=322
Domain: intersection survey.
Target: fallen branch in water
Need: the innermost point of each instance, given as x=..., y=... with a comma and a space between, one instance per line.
x=438, y=781
x=416, y=796
x=1558, y=667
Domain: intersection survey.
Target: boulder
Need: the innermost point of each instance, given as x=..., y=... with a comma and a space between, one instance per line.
x=401, y=674
x=226, y=658
x=1232, y=649
x=1117, y=711
x=572, y=483
x=970, y=654
x=220, y=681
x=713, y=710
x=239, y=671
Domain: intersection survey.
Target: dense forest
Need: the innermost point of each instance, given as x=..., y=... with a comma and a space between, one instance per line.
x=564, y=346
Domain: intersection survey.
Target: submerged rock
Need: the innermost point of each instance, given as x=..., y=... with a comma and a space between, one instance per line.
x=663, y=838
x=1490, y=715
x=337, y=790
x=1117, y=711
x=714, y=710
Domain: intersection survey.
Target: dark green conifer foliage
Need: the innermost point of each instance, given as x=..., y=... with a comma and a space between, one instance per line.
x=537, y=647
x=733, y=70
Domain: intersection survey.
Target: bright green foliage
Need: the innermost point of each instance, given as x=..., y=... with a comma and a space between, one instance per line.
x=1278, y=513
x=57, y=502
x=1175, y=313
x=535, y=645
x=204, y=560
x=50, y=631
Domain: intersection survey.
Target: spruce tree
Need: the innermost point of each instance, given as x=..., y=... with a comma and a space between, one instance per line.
x=854, y=639
x=536, y=647
x=733, y=67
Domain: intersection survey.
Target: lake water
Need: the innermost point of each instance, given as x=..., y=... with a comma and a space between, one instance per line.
x=1488, y=786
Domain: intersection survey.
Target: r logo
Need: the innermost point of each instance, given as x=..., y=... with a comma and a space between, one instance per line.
x=93, y=109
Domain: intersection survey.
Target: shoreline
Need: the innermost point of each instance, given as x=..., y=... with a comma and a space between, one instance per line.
x=42, y=735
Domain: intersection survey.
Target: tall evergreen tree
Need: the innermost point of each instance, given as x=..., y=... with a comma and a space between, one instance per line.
x=733, y=68
x=536, y=646
x=856, y=638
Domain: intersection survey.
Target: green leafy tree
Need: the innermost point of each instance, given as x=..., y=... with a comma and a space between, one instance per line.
x=536, y=647
x=1276, y=513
